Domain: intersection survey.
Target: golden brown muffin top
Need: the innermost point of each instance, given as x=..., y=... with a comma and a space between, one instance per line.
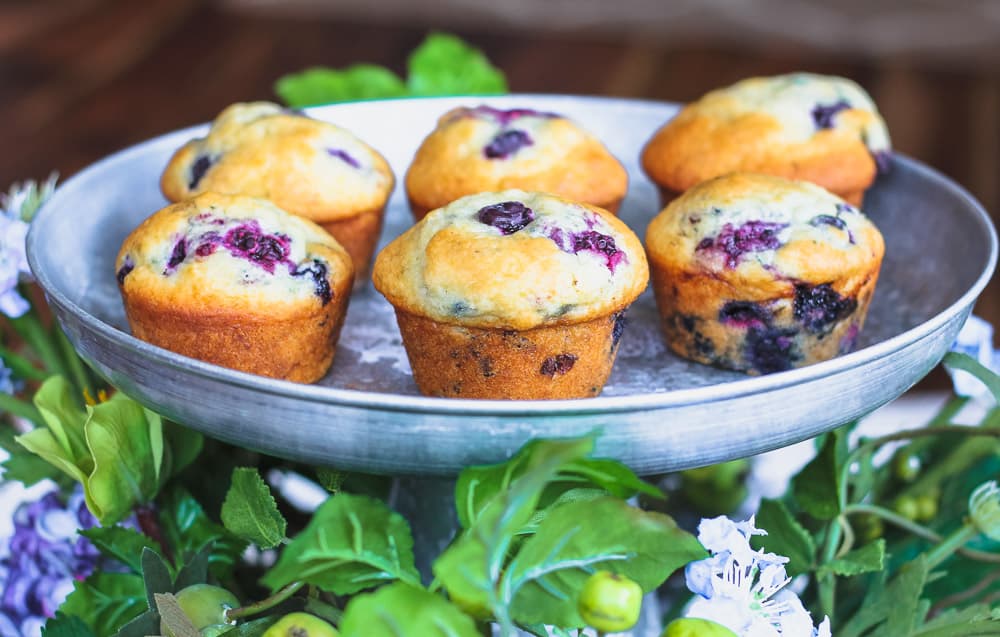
x=306, y=166
x=820, y=128
x=513, y=260
x=763, y=231
x=231, y=252
x=486, y=149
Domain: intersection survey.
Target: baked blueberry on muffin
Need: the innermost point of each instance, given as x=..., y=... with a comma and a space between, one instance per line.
x=512, y=294
x=817, y=128
x=238, y=282
x=308, y=167
x=762, y=274
x=485, y=149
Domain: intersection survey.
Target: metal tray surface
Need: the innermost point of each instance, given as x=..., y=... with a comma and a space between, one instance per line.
x=658, y=413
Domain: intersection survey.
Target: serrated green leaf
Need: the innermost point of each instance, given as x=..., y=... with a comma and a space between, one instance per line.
x=890, y=608
x=402, y=610
x=543, y=581
x=867, y=559
x=320, y=85
x=63, y=625
x=144, y=625
x=188, y=529
x=125, y=545
x=156, y=576
x=330, y=479
x=470, y=568
x=817, y=488
x=250, y=511
x=445, y=65
x=785, y=536
x=352, y=543
x=106, y=601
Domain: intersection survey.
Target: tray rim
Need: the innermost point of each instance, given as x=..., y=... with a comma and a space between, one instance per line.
x=419, y=404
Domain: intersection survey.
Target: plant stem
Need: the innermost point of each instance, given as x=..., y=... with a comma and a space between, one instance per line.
x=952, y=543
x=21, y=366
x=30, y=329
x=21, y=408
x=827, y=582
x=920, y=531
x=73, y=362
x=962, y=596
x=264, y=604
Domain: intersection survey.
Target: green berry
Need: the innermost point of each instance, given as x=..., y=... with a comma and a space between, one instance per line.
x=927, y=507
x=215, y=630
x=691, y=627
x=301, y=625
x=906, y=506
x=906, y=465
x=868, y=527
x=205, y=605
x=610, y=602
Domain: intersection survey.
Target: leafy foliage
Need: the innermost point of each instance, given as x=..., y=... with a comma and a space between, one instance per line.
x=442, y=65
x=404, y=610
x=250, y=511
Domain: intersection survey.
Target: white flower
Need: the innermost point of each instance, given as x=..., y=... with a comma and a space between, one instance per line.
x=17, y=207
x=744, y=589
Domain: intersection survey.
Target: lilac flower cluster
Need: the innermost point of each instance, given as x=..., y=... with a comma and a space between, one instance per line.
x=41, y=559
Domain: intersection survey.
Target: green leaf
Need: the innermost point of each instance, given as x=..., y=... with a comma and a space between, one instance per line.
x=124, y=474
x=195, y=570
x=188, y=529
x=125, y=545
x=867, y=559
x=477, y=486
x=964, y=362
x=250, y=511
x=156, y=576
x=890, y=608
x=64, y=416
x=470, y=568
x=320, y=85
x=402, y=610
x=544, y=580
x=24, y=466
x=253, y=628
x=177, y=623
x=566, y=497
x=818, y=486
x=445, y=65
x=351, y=543
x=106, y=601
x=144, y=625
x=330, y=479
x=785, y=536
x=972, y=621
x=63, y=625
x=181, y=447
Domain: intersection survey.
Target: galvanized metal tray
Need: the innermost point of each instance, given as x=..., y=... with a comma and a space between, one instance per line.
x=658, y=413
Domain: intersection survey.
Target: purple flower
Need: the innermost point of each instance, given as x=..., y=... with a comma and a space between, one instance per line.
x=41, y=559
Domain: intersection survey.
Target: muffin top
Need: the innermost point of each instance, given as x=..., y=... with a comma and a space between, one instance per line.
x=821, y=128
x=239, y=253
x=485, y=149
x=305, y=166
x=513, y=260
x=758, y=230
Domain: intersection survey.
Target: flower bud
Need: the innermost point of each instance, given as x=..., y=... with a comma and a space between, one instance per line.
x=984, y=507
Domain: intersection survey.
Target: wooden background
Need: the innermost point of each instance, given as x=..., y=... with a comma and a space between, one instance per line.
x=80, y=79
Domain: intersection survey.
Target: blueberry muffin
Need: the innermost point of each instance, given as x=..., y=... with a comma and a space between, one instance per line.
x=310, y=168
x=512, y=294
x=238, y=282
x=817, y=128
x=484, y=149
x=761, y=274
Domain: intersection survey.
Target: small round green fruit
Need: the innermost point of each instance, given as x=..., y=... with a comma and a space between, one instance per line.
x=692, y=627
x=906, y=465
x=906, y=506
x=610, y=602
x=301, y=625
x=205, y=605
